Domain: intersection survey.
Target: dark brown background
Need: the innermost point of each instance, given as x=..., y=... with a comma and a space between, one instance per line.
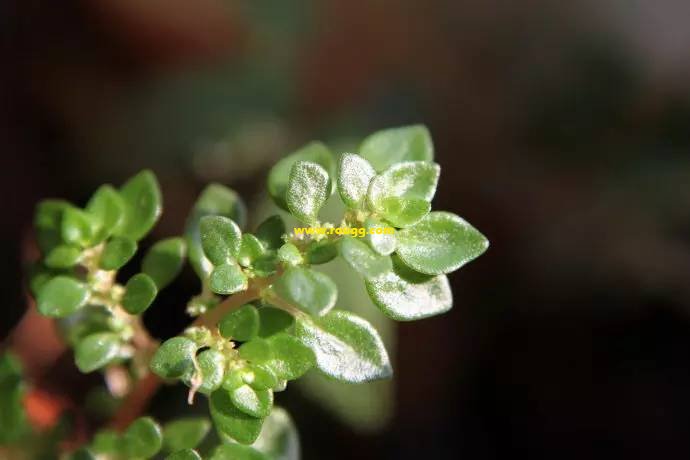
x=563, y=130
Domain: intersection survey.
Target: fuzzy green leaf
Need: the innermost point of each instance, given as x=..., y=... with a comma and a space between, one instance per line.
x=232, y=422
x=108, y=208
x=321, y=252
x=273, y=320
x=237, y=452
x=256, y=351
x=174, y=358
x=257, y=403
x=142, y=198
x=260, y=377
x=62, y=296
x=185, y=433
x=251, y=249
x=278, y=178
x=117, y=252
x=78, y=227
x=291, y=358
x=406, y=299
x=241, y=324
x=346, y=346
x=62, y=256
x=216, y=200
x=440, y=243
x=143, y=438
x=354, y=175
x=363, y=259
x=48, y=223
x=221, y=239
x=164, y=261
x=184, y=454
x=270, y=232
x=307, y=190
x=212, y=365
x=382, y=243
x=228, y=279
x=403, y=192
x=309, y=290
x=140, y=292
x=96, y=351
x=289, y=255
x=389, y=146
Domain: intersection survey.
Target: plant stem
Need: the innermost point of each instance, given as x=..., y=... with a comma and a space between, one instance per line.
x=146, y=387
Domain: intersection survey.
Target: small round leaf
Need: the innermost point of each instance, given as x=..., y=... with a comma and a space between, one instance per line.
x=185, y=433
x=270, y=232
x=174, y=358
x=228, y=279
x=117, y=252
x=346, y=346
x=212, y=365
x=309, y=290
x=232, y=422
x=164, y=261
x=256, y=403
x=142, y=198
x=221, y=239
x=440, y=243
x=274, y=320
x=291, y=358
x=394, y=145
x=143, y=438
x=62, y=256
x=382, y=243
x=307, y=190
x=363, y=259
x=78, y=227
x=250, y=250
x=96, y=351
x=62, y=296
x=241, y=324
x=354, y=175
x=108, y=208
x=140, y=291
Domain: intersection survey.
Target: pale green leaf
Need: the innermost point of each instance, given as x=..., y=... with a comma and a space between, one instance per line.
x=307, y=190
x=394, y=145
x=354, y=175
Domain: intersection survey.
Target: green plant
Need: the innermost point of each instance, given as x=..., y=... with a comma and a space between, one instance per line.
x=264, y=315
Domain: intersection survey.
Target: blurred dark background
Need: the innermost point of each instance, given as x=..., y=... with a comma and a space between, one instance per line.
x=563, y=131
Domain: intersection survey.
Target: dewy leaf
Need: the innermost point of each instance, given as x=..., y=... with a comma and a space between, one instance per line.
x=212, y=365
x=164, y=261
x=108, y=208
x=291, y=358
x=140, y=291
x=237, y=452
x=251, y=249
x=402, y=193
x=63, y=256
x=228, y=279
x=174, y=358
x=185, y=433
x=307, y=190
x=241, y=324
x=278, y=178
x=407, y=143
x=96, y=351
x=363, y=259
x=346, y=346
x=232, y=422
x=221, y=239
x=403, y=300
x=117, y=252
x=354, y=175
x=143, y=438
x=48, y=223
x=78, y=227
x=274, y=320
x=62, y=296
x=381, y=242
x=309, y=290
x=256, y=403
x=440, y=243
x=270, y=232
x=142, y=198
x=216, y=200
x=184, y=454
